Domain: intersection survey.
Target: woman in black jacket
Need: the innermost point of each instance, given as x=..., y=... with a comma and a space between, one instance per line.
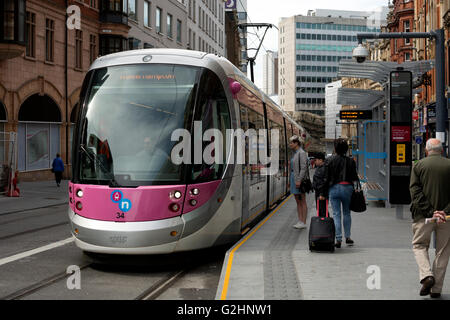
x=341, y=174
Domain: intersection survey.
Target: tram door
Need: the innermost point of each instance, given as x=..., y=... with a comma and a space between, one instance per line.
x=254, y=183
x=245, y=170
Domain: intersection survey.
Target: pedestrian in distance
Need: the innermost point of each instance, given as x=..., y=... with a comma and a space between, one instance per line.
x=298, y=172
x=320, y=180
x=341, y=175
x=431, y=199
x=58, y=169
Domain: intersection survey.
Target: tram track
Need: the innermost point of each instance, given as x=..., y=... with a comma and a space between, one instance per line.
x=24, y=292
x=32, y=209
x=33, y=230
x=161, y=286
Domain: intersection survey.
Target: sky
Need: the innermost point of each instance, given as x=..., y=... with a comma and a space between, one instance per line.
x=270, y=11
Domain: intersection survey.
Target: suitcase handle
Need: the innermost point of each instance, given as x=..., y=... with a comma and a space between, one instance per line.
x=326, y=207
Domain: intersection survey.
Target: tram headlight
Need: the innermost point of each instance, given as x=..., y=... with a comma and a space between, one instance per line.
x=80, y=193
x=176, y=194
x=195, y=191
x=174, y=207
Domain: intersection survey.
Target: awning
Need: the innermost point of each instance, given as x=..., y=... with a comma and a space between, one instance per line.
x=379, y=71
x=365, y=99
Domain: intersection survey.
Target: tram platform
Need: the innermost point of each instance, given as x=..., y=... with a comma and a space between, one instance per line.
x=273, y=262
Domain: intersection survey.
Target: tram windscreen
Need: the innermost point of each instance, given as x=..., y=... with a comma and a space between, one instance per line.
x=131, y=113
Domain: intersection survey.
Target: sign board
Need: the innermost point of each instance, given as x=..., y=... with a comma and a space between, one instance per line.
x=431, y=114
x=400, y=136
x=230, y=4
x=355, y=114
x=415, y=115
x=419, y=139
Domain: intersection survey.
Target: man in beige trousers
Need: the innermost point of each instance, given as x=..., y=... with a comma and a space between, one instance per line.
x=430, y=194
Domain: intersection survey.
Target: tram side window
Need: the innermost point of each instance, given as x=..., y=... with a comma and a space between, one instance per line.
x=256, y=122
x=212, y=111
x=281, y=146
x=244, y=127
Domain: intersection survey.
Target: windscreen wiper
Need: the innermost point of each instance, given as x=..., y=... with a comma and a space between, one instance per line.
x=112, y=182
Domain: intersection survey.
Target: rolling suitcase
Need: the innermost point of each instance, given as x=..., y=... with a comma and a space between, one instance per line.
x=322, y=231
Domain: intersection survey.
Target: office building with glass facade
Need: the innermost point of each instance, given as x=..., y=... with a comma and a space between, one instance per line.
x=310, y=48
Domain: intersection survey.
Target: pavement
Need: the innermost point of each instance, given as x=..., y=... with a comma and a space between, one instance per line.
x=275, y=262
x=35, y=195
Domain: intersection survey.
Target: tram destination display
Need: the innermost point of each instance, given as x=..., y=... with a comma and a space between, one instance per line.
x=355, y=114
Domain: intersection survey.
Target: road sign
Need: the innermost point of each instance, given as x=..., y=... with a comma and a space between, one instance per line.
x=419, y=139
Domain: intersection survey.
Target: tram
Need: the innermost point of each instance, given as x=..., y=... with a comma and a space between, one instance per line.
x=127, y=195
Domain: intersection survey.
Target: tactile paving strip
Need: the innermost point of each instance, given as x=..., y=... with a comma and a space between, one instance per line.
x=280, y=276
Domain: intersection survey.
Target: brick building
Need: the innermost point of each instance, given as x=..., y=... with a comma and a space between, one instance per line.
x=401, y=19
x=43, y=61
x=37, y=100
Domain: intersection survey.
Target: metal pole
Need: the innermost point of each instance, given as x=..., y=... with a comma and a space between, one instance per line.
x=252, y=75
x=441, y=106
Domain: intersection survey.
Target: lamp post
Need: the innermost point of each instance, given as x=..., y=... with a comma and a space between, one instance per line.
x=438, y=35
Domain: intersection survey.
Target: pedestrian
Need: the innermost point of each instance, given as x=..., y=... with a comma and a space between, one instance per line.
x=58, y=168
x=430, y=198
x=320, y=178
x=299, y=171
x=341, y=175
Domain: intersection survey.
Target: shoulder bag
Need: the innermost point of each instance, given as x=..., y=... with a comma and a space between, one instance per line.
x=306, y=186
x=357, y=201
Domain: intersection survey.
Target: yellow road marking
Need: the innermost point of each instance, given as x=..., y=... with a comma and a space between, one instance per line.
x=223, y=295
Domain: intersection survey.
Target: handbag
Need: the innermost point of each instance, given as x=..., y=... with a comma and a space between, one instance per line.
x=358, y=202
x=306, y=185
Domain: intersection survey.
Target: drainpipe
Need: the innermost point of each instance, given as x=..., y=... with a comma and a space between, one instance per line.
x=66, y=84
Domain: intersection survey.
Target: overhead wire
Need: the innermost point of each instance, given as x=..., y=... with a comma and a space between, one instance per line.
x=271, y=57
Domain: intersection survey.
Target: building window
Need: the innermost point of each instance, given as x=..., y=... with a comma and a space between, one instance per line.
x=114, y=11
x=78, y=49
x=49, y=39
x=92, y=48
x=132, y=10
x=31, y=35
x=169, y=25
x=406, y=28
x=8, y=20
x=147, y=13
x=407, y=56
x=12, y=21
x=93, y=4
x=158, y=21
x=179, y=31
x=133, y=43
x=112, y=44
